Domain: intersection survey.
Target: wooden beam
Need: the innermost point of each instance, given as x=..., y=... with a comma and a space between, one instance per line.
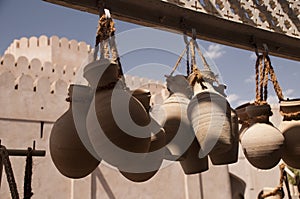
x=166, y=14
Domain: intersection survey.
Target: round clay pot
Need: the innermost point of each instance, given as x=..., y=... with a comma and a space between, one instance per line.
x=117, y=121
x=231, y=156
x=262, y=145
x=290, y=127
x=67, y=150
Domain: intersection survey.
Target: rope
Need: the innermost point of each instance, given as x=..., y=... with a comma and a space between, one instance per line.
x=261, y=80
x=290, y=116
x=9, y=173
x=274, y=78
x=193, y=56
x=28, y=175
x=257, y=66
x=205, y=64
x=188, y=72
x=265, y=81
x=180, y=58
x=279, y=188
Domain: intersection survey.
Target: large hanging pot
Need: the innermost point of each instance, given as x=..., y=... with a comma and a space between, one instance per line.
x=68, y=152
x=231, y=156
x=117, y=121
x=193, y=163
x=210, y=115
x=262, y=143
x=172, y=116
x=148, y=166
x=290, y=127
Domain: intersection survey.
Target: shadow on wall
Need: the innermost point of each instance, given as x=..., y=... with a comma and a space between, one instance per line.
x=238, y=187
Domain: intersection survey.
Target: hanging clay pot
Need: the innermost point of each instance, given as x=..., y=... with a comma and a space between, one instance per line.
x=192, y=163
x=172, y=116
x=67, y=150
x=231, y=156
x=154, y=158
x=210, y=115
x=290, y=127
x=117, y=121
x=262, y=143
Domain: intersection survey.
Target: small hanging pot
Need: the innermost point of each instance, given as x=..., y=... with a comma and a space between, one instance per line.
x=262, y=143
x=290, y=127
x=117, y=121
x=210, y=115
x=154, y=158
x=69, y=154
x=172, y=116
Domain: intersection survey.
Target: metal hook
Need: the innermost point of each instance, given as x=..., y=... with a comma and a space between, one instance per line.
x=194, y=34
x=266, y=49
x=256, y=49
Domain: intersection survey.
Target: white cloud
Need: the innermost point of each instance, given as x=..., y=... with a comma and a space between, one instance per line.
x=232, y=98
x=250, y=79
x=273, y=99
x=214, y=51
x=253, y=56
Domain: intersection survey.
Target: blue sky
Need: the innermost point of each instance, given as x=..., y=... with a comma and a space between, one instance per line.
x=19, y=18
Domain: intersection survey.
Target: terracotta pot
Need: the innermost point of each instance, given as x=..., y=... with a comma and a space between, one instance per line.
x=155, y=158
x=117, y=121
x=231, y=156
x=210, y=115
x=67, y=150
x=172, y=116
x=262, y=143
x=290, y=127
x=192, y=164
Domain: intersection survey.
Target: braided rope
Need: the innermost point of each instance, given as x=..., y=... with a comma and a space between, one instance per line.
x=205, y=64
x=261, y=80
x=193, y=55
x=257, y=66
x=276, y=85
x=28, y=175
x=279, y=188
x=290, y=116
x=265, y=80
x=179, y=59
x=9, y=173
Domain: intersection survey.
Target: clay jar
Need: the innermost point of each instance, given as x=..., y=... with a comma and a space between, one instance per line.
x=69, y=154
x=230, y=156
x=290, y=127
x=117, y=121
x=262, y=143
x=172, y=116
x=210, y=116
x=148, y=166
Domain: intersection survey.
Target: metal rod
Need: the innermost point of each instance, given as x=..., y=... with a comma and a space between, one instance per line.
x=20, y=152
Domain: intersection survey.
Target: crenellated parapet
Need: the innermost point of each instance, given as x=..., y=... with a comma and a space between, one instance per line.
x=36, y=68
x=53, y=49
